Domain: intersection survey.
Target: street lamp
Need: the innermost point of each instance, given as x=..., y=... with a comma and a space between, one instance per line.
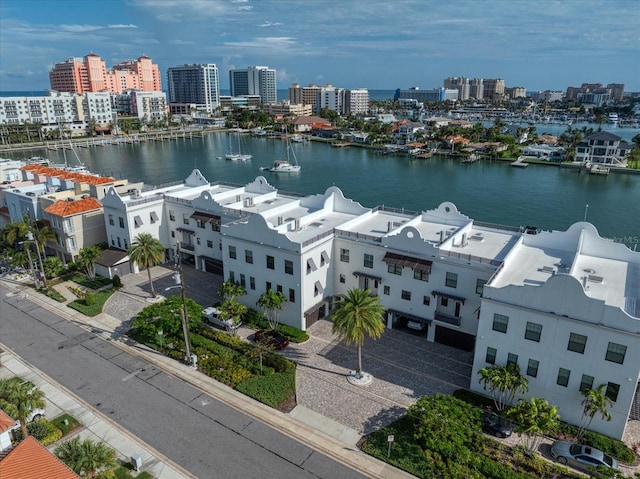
x=191, y=359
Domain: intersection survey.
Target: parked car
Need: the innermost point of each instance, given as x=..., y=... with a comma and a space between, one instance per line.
x=211, y=315
x=271, y=339
x=496, y=425
x=415, y=325
x=580, y=456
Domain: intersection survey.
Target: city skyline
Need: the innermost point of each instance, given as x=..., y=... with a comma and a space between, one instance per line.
x=538, y=45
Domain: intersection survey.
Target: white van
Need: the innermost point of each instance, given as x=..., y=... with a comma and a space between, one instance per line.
x=211, y=315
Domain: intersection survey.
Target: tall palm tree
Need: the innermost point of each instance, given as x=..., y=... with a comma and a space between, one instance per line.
x=18, y=399
x=87, y=457
x=43, y=236
x=15, y=232
x=146, y=251
x=355, y=315
x=271, y=303
x=504, y=382
x=595, y=402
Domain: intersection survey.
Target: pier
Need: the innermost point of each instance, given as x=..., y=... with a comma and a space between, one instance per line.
x=520, y=162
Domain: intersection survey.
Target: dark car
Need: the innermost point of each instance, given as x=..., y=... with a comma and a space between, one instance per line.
x=496, y=425
x=271, y=339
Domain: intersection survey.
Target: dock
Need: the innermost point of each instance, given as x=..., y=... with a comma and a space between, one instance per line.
x=520, y=162
x=598, y=170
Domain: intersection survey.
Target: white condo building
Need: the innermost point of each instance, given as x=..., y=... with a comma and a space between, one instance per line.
x=356, y=101
x=254, y=80
x=442, y=271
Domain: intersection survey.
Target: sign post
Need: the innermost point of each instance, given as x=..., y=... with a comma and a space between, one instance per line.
x=390, y=439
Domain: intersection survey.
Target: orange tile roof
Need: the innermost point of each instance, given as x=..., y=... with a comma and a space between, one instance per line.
x=70, y=208
x=30, y=460
x=68, y=175
x=6, y=422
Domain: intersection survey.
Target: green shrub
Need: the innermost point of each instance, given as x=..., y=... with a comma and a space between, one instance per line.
x=72, y=423
x=38, y=429
x=116, y=281
x=96, y=308
x=270, y=390
x=73, y=266
x=53, y=436
x=295, y=335
x=53, y=267
x=89, y=298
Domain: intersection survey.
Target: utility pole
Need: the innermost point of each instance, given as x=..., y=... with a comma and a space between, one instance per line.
x=185, y=318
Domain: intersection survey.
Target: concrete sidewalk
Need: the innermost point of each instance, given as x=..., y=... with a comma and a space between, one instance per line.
x=302, y=424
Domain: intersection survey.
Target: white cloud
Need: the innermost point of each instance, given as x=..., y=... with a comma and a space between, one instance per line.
x=122, y=26
x=269, y=24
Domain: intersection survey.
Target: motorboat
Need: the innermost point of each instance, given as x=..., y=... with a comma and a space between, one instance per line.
x=612, y=118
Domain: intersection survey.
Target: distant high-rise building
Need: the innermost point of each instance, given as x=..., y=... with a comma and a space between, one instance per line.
x=595, y=93
x=458, y=83
x=516, y=92
x=617, y=90
x=356, y=101
x=493, y=88
x=90, y=74
x=476, y=89
x=254, y=80
x=432, y=96
x=196, y=84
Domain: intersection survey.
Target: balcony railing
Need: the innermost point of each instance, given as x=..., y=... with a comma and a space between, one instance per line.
x=187, y=246
x=446, y=318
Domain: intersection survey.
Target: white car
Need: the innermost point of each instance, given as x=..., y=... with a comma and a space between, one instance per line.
x=415, y=325
x=211, y=315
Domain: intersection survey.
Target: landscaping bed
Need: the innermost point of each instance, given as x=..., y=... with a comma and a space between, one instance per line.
x=93, y=308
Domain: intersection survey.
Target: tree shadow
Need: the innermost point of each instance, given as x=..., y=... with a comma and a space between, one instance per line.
x=383, y=418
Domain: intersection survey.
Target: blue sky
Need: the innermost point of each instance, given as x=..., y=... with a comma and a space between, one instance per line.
x=375, y=44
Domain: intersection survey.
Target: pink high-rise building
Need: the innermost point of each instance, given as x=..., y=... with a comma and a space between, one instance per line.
x=90, y=74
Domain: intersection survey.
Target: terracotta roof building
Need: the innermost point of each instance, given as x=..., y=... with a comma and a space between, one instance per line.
x=31, y=460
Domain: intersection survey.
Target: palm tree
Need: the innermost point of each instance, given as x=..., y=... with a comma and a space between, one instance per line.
x=147, y=252
x=533, y=419
x=355, y=315
x=231, y=290
x=271, y=303
x=504, y=382
x=87, y=457
x=15, y=231
x=595, y=401
x=87, y=258
x=43, y=236
x=18, y=399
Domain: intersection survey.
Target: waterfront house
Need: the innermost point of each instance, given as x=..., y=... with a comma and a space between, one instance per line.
x=304, y=124
x=603, y=148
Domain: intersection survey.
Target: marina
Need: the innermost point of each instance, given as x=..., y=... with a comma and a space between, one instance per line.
x=549, y=197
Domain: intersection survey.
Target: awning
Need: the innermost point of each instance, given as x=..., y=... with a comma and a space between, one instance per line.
x=407, y=261
x=311, y=264
x=319, y=287
x=154, y=216
x=137, y=221
x=410, y=316
x=205, y=217
x=324, y=256
x=448, y=295
x=367, y=275
x=315, y=308
x=185, y=230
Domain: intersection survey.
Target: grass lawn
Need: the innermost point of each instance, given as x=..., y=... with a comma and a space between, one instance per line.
x=71, y=425
x=53, y=294
x=94, y=309
x=97, y=283
x=125, y=472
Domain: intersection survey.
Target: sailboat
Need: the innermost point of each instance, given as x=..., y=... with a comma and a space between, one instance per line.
x=237, y=156
x=286, y=166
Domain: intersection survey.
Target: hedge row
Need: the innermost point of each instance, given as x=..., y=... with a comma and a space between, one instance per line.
x=270, y=390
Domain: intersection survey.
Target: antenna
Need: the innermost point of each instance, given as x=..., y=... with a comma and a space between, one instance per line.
x=586, y=209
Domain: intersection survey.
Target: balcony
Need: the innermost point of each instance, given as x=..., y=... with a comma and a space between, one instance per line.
x=445, y=318
x=187, y=246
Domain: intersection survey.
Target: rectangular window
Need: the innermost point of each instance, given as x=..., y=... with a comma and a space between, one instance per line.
x=288, y=266
x=577, y=343
x=209, y=244
x=500, y=322
x=420, y=275
x=406, y=295
x=111, y=222
x=243, y=283
x=394, y=269
x=426, y=300
x=586, y=382
x=232, y=276
x=480, y=286
x=343, y=278
x=616, y=353
x=491, y=355
x=532, y=368
x=563, y=377
x=512, y=359
x=612, y=391
x=451, y=280
x=248, y=256
x=173, y=234
x=444, y=301
x=198, y=241
x=172, y=215
x=121, y=221
x=292, y=295
x=533, y=332
x=232, y=252
x=200, y=224
x=185, y=219
x=268, y=285
x=271, y=263
x=252, y=283
x=344, y=255
x=387, y=290
x=368, y=260
x=279, y=288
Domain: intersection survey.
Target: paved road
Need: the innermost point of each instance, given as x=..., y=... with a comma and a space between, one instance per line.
x=205, y=437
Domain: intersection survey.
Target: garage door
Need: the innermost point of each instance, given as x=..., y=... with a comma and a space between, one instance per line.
x=213, y=266
x=454, y=338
